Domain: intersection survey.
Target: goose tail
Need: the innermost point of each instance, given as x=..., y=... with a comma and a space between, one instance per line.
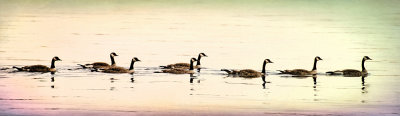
x=18, y=68
x=226, y=70
x=95, y=70
x=329, y=72
x=158, y=72
x=282, y=71
x=163, y=67
x=338, y=72
x=83, y=66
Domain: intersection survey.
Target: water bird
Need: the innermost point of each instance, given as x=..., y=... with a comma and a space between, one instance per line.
x=181, y=70
x=117, y=69
x=248, y=73
x=185, y=65
x=101, y=65
x=352, y=72
x=40, y=68
x=303, y=72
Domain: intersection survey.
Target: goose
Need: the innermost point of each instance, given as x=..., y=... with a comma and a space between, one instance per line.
x=101, y=65
x=185, y=65
x=352, y=72
x=182, y=70
x=303, y=71
x=40, y=68
x=248, y=73
x=117, y=69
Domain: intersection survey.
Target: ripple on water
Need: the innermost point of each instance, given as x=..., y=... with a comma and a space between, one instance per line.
x=165, y=81
x=241, y=83
x=17, y=99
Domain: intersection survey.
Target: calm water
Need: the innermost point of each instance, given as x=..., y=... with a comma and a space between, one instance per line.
x=234, y=34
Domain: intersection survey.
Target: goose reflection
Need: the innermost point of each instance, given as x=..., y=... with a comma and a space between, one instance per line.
x=363, y=88
x=112, y=80
x=132, y=78
x=363, y=80
x=263, y=79
x=52, y=79
x=198, y=70
x=315, y=80
x=52, y=76
x=264, y=82
x=192, y=77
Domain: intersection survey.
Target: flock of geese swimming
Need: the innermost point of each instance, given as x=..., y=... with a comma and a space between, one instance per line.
x=188, y=68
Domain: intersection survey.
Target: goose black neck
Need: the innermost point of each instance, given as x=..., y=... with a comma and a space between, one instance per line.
x=198, y=60
x=112, y=60
x=315, y=65
x=132, y=63
x=362, y=65
x=52, y=64
x=191, y=65
x=263, y=68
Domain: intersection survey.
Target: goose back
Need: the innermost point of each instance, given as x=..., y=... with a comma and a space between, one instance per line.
x=249, y=73
x=36, y=68
x=117, y=69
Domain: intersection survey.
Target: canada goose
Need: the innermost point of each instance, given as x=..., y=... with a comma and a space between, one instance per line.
x=117, y=69
x=101, y=65
x=185, y=65
x=248, y=73
x=182, y=70
x=303, y=71
x=352, y=72
x=40, y=68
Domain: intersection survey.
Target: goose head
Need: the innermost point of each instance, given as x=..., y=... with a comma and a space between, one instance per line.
x=193, y=60
x=113, y=54
x=317, y=58
x=366, y=58
x=135, y=59
x=55, y=58
x=268, y=61
x=203, y=55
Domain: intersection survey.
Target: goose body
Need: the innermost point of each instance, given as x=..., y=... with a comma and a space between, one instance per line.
x=101, y=65
x=303, y=71
x=248, y=73
x=352, y=72
x=178, y=71
x=299, y=72
x=182, y=70
x=243, y=73
x=185, y=65
x=40, y=68
x=177, y=65
x=117, y=69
